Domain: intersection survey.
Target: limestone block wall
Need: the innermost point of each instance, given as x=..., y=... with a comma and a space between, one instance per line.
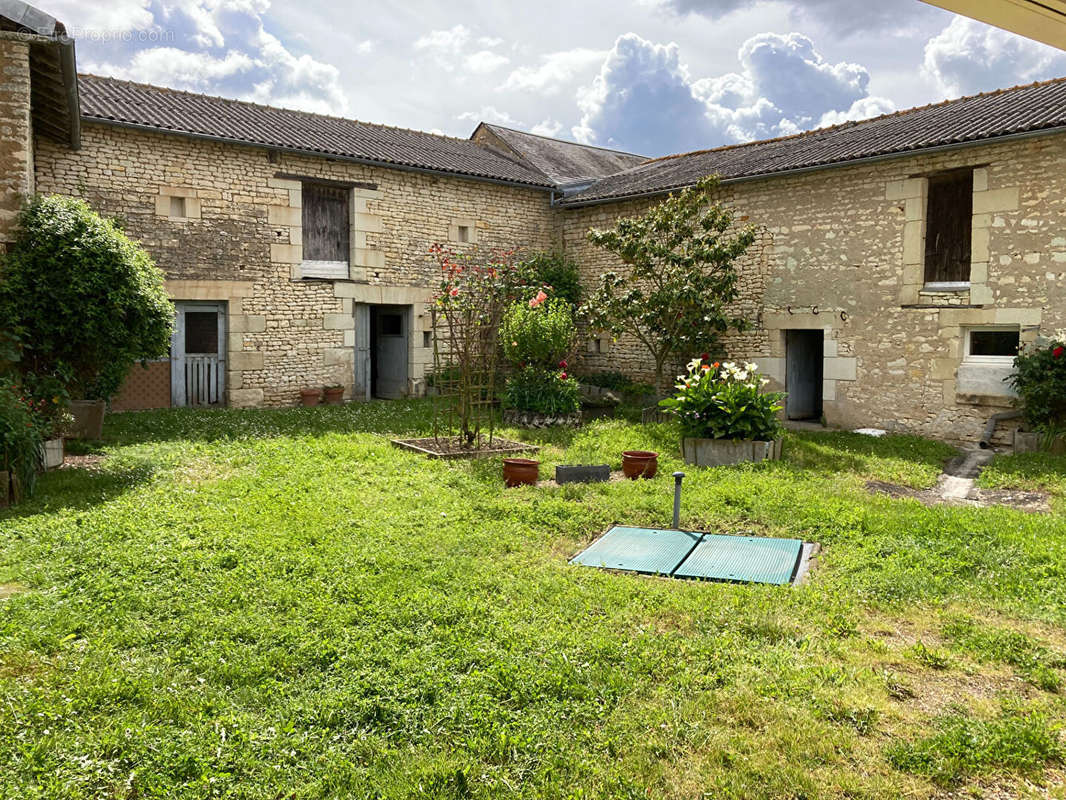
x=840, y=251
x=16, y=132
x=235, y=235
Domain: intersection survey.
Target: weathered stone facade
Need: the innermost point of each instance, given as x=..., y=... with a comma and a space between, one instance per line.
x=841, y=251
x=16, y=132
x=239, y=242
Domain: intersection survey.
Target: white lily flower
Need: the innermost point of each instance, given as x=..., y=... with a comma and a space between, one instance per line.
x=729, y=366
x=764, y=381
x=742, y=375
x=751, y=367
x=694, y=364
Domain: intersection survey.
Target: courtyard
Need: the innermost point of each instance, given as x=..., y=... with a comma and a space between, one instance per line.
x=278, y=603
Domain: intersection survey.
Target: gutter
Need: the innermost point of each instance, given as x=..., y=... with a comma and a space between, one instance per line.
x=319, y=154
x=68, y=64
x=818, y=167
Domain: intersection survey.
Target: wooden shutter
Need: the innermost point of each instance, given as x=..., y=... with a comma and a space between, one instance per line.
x=949, y=218
x=325, y=231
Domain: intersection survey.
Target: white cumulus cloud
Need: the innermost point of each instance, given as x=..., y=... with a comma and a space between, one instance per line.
x=554, y=72
x=645, y=100
x=447, y=50
x=969, y=57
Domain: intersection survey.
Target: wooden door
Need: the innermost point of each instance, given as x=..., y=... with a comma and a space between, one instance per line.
x=803, y=374
x=198, y=355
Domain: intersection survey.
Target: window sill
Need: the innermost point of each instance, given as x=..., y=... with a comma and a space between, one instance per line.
x=945, y=288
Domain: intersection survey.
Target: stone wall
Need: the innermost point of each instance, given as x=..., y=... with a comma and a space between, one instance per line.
x=839, y=251
x=16, y=138
x=235, y=236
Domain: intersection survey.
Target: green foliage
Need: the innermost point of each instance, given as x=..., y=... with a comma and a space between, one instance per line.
x=542, y=391
x=539, y=334
x=679, y=280
x=618, y=382
x=84, y=299
x=553, y=272
x=928, y=656
x=725, y=401
x=1019, y=739
x=20, y=436
x=1040, y=380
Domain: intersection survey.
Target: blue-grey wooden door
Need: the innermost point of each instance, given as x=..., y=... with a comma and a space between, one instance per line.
x=803, y=374
x=198, y=355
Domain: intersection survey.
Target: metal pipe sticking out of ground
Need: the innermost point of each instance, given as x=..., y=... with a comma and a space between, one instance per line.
x=677, y=499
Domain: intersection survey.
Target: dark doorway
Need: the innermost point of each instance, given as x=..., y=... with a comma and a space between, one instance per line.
x=803, y=374
x=388, y=348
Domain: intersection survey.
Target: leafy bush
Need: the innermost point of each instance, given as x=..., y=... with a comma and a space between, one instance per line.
x=85, y=300
x=553, y=272
x=20, y=436
x=725, y=401
x=618, y=382
x=542, y=391
x=539, y=333
x=1040, y=380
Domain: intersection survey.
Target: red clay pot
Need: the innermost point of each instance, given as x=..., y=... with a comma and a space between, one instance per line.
x=310, y=397
x=520, y=471
x=639, y=464
x=334, y=395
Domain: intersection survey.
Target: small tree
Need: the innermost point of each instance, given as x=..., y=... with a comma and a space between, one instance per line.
x=84, y=300
x=680, y=276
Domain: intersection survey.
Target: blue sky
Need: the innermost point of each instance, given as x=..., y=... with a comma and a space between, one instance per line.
x=648, y=76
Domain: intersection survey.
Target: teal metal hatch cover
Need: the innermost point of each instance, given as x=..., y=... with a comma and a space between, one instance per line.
x=746, y=559
x=646, y=550
x=685, y=554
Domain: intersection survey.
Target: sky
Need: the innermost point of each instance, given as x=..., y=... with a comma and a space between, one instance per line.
x=646, y=76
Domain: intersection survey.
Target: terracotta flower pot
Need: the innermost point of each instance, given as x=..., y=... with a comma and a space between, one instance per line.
x=520, y=471
x=310, y=397
x=640, y=464
x=334, y=395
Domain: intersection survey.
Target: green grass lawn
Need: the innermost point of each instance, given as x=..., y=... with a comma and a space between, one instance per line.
x=278, y=604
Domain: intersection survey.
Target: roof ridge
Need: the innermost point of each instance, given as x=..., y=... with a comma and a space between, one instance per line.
x=565, y=141
x=851, y=123
x=253, y=104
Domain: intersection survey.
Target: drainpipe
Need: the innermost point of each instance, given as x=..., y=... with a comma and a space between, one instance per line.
x=990, y=427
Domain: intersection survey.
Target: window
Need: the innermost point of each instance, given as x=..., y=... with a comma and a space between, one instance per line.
x=991, y=345
x=427, y=339
x=177, y=206
x=201, y=332
x=325, y=231
x=948, y=219
x=463, y=234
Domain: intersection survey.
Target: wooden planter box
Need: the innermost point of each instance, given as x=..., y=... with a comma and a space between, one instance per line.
x=52, y=453
x=1029, y=442
x=723, y=452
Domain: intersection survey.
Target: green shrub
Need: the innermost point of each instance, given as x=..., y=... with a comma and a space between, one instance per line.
x=542, y=391
x=1040, y=380
x=725, y=401
x=618, y=382
x=85, y=300
x=553, y=272
x=20, y=436
x=538, y=333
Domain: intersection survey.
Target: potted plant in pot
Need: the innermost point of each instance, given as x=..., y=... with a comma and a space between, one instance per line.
x=334, y=395
x=1039, y=377
x=724, y=415
x=310, y=397
x=84, y=301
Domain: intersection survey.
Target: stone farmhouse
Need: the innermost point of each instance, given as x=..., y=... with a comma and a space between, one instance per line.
x=900, y=261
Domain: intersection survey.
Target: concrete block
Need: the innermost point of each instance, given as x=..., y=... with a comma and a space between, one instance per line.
x=914, y=209
x=908, y=294
x=773, y=368
x=247, y=323
x=829, y=390
x=913, y=274
x=981, y=294
x=841, y=369
x=286, y=253
x=372, y=259
x=371, y=223
x=978, y=273
x=337, y=356
x=246, y=360
x=593, y=473
x=244, y=398
x=296, y=198
x=830, y=347
x=349, y=338
x=943, y=368
x=285, y=215
x=913, y=242
x=284, y=183
x=980, y=179
x=1018, y=316
x=338, y=322
x=996, y=200
x=979, y=245
x=357, y=274
x=369, y=194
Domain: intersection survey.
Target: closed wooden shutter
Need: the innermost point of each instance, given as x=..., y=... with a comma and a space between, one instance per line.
x=325, y=231
x=949, y=213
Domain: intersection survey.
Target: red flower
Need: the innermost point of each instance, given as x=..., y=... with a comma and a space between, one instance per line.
x=1057, y=352
x=562, y=376
x=705, y=356
x=562, y=364
x=454, y=291
x=540, y=298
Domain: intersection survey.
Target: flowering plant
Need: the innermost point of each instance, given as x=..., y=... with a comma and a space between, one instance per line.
x=542, y=391
x=538, y=333
x=1040, y=380
x=725, y=401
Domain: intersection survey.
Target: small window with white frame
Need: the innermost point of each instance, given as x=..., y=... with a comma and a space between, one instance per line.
x=991, y=345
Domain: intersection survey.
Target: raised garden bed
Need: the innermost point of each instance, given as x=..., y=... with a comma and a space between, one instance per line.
x=454, y=447
x=531, y=419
